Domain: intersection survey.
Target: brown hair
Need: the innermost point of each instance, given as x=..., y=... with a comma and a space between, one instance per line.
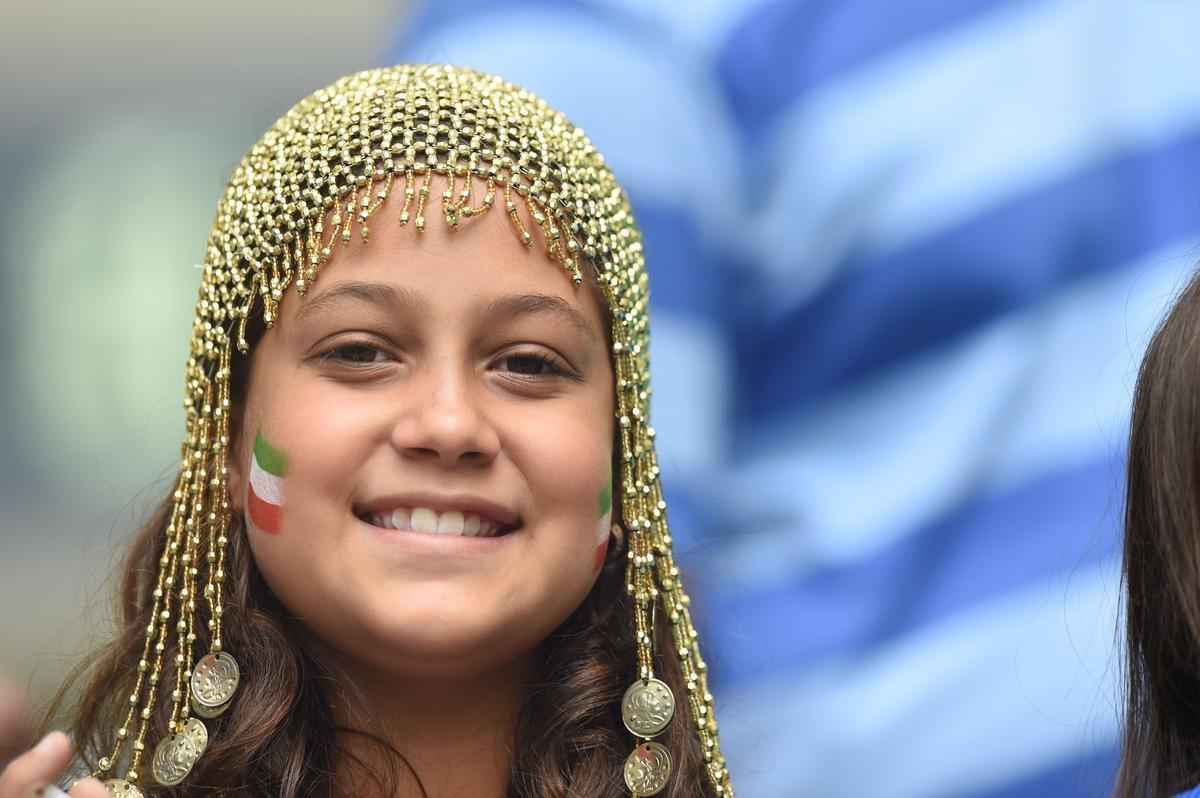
x=1161, y=571
x=280, y=738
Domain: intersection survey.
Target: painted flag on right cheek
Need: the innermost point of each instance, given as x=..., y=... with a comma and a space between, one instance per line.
x=265, y=500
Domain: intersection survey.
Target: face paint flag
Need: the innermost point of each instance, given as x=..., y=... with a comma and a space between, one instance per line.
x=604, y=524
x=266, y=486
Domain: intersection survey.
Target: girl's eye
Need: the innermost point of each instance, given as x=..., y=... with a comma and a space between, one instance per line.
x=355, y=354
x=530, y=364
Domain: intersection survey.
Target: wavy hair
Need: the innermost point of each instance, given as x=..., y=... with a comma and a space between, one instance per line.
x=1161, y=564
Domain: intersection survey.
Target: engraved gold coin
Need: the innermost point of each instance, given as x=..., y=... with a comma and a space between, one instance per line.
x=215, y=679
x=647, y=707
x=178, y=754
x=209, y=712
x=119, y=788
x=647, y=769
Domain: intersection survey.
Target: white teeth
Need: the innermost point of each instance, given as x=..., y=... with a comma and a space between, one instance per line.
x=401, y=518
x=423, y=519
x=450, y=523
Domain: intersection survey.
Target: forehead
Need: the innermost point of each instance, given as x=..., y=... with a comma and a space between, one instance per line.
x=476, y=263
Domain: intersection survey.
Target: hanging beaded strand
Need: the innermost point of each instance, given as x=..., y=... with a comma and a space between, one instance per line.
x=216, y=677
x=187, y=738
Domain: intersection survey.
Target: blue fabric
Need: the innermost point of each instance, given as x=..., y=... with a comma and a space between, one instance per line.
x=1089, y=774
x=803, y=45
x=972, y=554
x=879, y=312
x=904, y=260
x=1192, y=793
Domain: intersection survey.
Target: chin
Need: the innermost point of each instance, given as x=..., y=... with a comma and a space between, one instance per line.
x=445, y=634
x=444, y=652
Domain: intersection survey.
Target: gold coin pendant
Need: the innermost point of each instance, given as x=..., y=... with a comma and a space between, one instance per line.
x=215, y=679
x=647, y=769
x=178, y=754
x=119, y=788
x=647, y=707
x=209, y=713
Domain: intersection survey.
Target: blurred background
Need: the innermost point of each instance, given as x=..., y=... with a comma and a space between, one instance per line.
x=904, y=261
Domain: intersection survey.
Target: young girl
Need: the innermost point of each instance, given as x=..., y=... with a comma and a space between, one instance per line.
x=1161, y=744
x=418, y=544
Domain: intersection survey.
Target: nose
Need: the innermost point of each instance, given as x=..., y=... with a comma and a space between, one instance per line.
x=444, y=423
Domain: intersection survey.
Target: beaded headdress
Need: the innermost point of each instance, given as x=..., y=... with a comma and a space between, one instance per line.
x=312, y=182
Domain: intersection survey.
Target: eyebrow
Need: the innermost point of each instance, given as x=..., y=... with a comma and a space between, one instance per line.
x=392, y=298
x=519, y=305
x=381, y=295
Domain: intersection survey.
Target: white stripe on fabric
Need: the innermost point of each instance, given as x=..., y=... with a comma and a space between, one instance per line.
x=1043, y=389
x=1031, y=677
x=652, y=105
x=933, y=134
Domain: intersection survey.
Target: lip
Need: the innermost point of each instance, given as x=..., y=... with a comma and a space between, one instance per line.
x=498, y=514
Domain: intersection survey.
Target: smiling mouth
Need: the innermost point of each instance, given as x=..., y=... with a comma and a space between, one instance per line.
x=424, y=520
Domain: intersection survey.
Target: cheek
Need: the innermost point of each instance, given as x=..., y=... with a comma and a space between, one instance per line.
x=298, y=535
x=302, y=462
x=571, y=479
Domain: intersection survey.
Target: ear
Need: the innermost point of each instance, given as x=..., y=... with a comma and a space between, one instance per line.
x=618, y=536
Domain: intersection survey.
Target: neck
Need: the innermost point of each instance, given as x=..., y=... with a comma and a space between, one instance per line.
x=455, y=733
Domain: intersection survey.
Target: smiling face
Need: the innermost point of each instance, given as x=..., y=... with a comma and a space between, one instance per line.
x=432, y=425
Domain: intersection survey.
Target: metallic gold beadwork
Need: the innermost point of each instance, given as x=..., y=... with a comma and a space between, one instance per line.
x=370, y=144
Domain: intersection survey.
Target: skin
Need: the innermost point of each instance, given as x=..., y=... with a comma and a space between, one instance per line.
x=435, y=389
x=15, y=726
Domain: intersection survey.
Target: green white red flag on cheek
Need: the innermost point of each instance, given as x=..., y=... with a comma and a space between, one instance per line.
x=265, y=500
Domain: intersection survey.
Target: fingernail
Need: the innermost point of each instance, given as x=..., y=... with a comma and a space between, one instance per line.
x=49, y=742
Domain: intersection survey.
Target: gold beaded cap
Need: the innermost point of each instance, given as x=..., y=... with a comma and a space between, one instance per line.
x=314, y=181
